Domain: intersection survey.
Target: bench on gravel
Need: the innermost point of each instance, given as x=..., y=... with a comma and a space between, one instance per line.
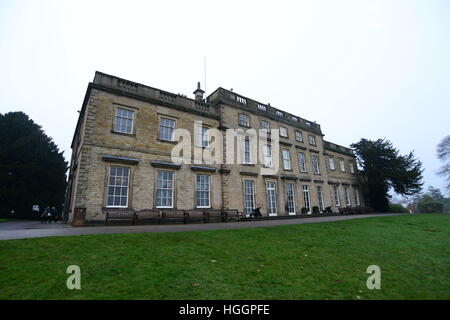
x=120, y=217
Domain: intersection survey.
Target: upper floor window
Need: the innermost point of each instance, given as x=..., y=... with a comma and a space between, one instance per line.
x=265, y=126
x=308, y=124
x=302, y=161
x=283, y=132
x=267, y=154
x=312, y=140
x=247, y=155
x=262, y=107
x=315, y=162
x=241, y=100
x=244, y=120
x=352, y=169
x=298, y=136
x=202, y=136
x=286, y=159
x=279, y=114
x=341, y=164
x=295, y=119
x=331, y=162
x=166, y=128
x=124, y=120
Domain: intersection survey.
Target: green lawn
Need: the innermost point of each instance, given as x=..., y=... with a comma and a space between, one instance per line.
x=3, y=220
x=308, y=261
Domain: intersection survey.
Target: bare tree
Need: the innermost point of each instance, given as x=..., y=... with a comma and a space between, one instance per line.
x=443, y=153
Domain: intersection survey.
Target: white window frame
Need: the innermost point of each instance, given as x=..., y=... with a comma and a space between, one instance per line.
x=286, y=154
x=271, y=189
x=267, y=156
x=171, y=189
x=342, y=165
x=263, y=128
x=315, y=163
x=320, y=198
x=348, y=202
x=331, y=163
x=358, y=200
x=246, y=154
x=244, y=120
x=298, y=136
x=202, y=136
x=161, y=125
x=123, y=118
x=197, y=190
x=337, y=200
x=352, y=168
x=302, y=162
x=290, y=198
x=249, y=198
x=120, y=186
x=279, y=114
x=306, y=197
x=312, y=140
x=283, y=132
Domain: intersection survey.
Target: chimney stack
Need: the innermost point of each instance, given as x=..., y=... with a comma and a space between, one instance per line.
x=198, y=93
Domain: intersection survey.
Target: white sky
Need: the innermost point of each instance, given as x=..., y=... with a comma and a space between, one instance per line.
x=368, y=69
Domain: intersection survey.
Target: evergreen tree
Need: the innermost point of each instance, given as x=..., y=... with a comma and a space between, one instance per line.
x=384, y=168
x=32, y=170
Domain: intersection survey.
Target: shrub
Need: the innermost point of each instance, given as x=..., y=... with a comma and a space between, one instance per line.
x=315, y=209
x=397, y=207
x=304, y=210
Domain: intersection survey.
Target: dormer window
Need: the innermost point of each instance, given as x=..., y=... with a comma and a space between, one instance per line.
x=279, y=114
x=262, y=107
x=295, y=119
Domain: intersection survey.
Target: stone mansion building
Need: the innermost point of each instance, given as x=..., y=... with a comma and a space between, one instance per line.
x=123, y=142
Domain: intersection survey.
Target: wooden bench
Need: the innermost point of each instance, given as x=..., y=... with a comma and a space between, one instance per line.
x=120, y=216
x=175, y=215
x=146, y=216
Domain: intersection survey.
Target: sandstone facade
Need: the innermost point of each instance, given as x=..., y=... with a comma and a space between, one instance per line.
x=122, y=123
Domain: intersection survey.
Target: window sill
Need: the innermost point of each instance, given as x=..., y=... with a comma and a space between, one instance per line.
x=167, y=141
x=132, y=135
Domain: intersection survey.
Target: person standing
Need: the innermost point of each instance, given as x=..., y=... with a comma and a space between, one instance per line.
x=44, y=215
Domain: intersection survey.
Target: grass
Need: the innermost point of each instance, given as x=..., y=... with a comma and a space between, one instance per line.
x=3, y=220
x=308, y=261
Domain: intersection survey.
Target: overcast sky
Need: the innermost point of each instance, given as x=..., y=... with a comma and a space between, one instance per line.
x=369, y=69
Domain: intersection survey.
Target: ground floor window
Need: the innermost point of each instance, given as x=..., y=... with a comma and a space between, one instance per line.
x=271, y=198
x=118, y=187
x=347, y=197
x=337, y=201
x=202, y=190
x=249, y=197
x=357, y=196
x=164, y=189
x=306, y=198
x=290, y=198
x=320, y=198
